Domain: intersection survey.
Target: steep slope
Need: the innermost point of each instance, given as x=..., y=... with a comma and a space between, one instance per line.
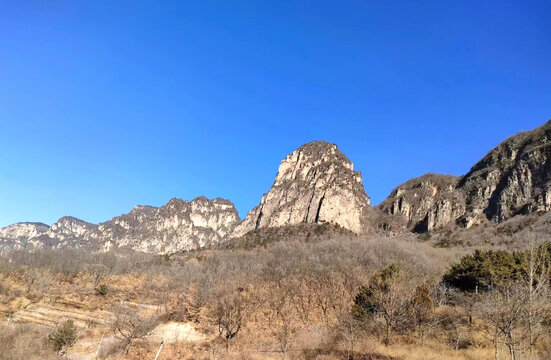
x=315, y=184
x=514, y=178
x=72, y=232
x=23, y=230
x=428, y=202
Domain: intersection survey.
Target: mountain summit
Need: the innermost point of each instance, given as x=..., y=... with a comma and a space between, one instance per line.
x=315, y=184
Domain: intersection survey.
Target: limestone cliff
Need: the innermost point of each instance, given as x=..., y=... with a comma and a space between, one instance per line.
x=514, y=178
x=316, y=183
x=19, y=236
x=176, y=226
x=426, y=203
x=73, y=232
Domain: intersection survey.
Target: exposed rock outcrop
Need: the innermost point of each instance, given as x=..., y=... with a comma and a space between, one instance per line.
x=72, y=232
x=315, y=184
x=514, y=178
x=176, y=226
x=23, y=230
x=21, y=235
x=428, y=202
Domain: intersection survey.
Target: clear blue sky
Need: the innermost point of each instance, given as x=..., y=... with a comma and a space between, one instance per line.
x=108, y=104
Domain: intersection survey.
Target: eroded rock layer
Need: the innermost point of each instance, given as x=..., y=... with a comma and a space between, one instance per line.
x=179, y=225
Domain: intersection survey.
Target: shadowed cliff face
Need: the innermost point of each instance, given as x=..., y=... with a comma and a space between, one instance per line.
x=514, y=178
x=315, y=184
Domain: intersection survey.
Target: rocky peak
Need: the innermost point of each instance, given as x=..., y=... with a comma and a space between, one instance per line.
x=313, y=160
x=178, y=225
x=316, y=183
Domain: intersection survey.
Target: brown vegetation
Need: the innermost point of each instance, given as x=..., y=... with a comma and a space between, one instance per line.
x=310, y=297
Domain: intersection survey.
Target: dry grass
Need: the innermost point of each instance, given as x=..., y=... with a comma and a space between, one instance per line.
x=270, y=276
x=433, y=351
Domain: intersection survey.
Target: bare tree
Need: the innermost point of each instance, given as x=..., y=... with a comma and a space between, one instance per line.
x=303, y=297
x=387, y=299
x=442, y=293
x=98, y=272
x=284, y=329
x=350, y=329
x=231, y=312
x=131, y=326
x=328, y=291
x=505, y=310
x=538, y=272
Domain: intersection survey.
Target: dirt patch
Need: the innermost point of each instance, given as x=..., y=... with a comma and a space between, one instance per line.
x=176, y=332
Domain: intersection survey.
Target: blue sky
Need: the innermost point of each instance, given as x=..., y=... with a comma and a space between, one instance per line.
x=109, y=104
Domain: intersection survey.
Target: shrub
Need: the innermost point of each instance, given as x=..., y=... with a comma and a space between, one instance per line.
x=131, y=326
x=485, y=269
x=102, y=290
x=63, y=337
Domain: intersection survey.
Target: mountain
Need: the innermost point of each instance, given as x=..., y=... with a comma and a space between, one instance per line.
x=176, y=226
x=18, y=236
x=514, y=178
x=315, y=184
x=72, y=232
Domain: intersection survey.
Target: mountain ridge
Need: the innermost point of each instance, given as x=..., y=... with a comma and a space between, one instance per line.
x=317, y=184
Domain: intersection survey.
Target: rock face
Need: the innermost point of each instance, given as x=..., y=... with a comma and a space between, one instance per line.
x=514, y=178
x=73, y=232
x=176, y=226
x=20, y=235
x=179, y=225
x=428, y=202
x=315, y=184
x=23, y=230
